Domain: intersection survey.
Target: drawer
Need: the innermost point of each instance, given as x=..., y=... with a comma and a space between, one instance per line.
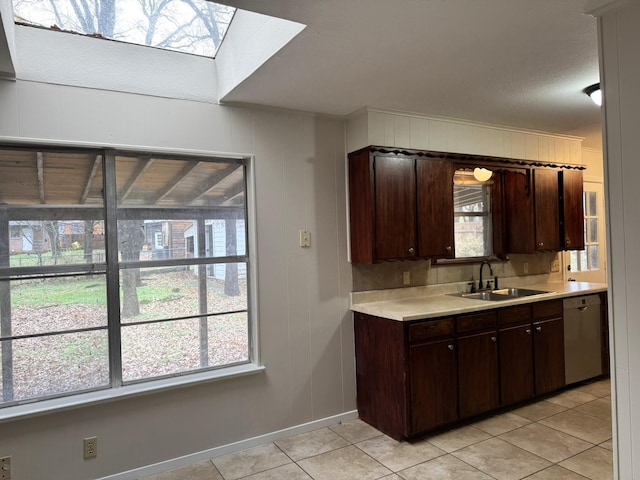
x=430, y=329
x=476, y=322
x=514, y=315
x=550, y=309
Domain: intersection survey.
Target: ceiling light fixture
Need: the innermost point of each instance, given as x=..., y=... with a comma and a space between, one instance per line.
x=595, y=93
x=482, y=174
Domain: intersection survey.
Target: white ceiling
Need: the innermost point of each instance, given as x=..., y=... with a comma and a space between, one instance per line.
x=520, y=63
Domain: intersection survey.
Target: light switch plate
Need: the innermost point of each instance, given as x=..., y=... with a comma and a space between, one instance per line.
x=5, y=468
x=305, y=238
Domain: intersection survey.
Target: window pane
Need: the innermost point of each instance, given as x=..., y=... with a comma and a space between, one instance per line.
x=228, y=339
x=63, y=223
x=583, y=261
x=196, y=26
x=148, y=240
x=182, y=291
x=592, y=204
x=472, y=216
x=573, y=260
x=593, y=230
x=56, y=304
x=165, y=348
x=56, y=242
x=50, y=178
x=472, y=236
x=58, y=364
x=594, y=257
x=157, y=183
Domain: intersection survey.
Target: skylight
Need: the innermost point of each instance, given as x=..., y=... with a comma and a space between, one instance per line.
x=189, y=26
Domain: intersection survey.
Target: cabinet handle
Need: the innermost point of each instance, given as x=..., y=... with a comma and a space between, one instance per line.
x=528, y=331
x=493, y=339
x=538, y=329
x=448, y=248
x=541, y=245
x=411, y=250
x=450, y=346
x=568, y=242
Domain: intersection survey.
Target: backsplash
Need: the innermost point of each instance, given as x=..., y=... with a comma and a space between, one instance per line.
x=386, y=275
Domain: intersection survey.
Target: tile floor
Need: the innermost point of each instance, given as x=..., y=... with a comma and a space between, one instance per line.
x=567, y=436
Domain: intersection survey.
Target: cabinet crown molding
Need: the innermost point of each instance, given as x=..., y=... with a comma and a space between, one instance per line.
x=470, y=158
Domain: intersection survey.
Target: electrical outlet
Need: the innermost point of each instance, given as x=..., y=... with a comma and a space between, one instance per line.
x=406, y=278
x=555, y=265
x=5, y=468
x=525, y=267
x=90, y=447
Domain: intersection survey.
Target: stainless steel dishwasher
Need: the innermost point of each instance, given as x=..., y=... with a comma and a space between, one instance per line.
x=582, y=338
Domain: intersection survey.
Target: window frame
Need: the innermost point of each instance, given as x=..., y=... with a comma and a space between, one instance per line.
x=109, y=212
x=487, y=214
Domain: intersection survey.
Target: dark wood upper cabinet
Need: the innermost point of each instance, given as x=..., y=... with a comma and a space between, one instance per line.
x=361, y=207
x=519, y=222
x=542, y=210
x=382, y=207
x=402, y=207
x=546, y=209
x=573, y=209
x=434, y=179
x=395, y=207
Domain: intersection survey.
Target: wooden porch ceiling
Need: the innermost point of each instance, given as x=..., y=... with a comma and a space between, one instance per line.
x=60, y=178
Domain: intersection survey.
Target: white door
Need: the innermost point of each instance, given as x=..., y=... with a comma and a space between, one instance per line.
x=589, y=265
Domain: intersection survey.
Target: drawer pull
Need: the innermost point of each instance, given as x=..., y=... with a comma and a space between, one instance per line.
x=528, y=331
x=450, y=346
x=538, y=329
x=493, y=339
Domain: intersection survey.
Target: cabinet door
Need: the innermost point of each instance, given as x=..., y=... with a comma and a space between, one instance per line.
x=433, y=385
x=548, y=348
x=572, y=210
x=516, y=364
x=395, y=208
x=518, y=212
x=547, y=209
x=478, y=378
x=434, y=179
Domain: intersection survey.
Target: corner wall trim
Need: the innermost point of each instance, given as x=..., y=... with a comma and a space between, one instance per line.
x=197, y=457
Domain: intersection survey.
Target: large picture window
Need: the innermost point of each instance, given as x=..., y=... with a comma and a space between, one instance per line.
x=119, y=267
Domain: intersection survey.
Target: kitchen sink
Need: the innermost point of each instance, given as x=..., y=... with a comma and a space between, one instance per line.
x=518, y=292
x=500, y=294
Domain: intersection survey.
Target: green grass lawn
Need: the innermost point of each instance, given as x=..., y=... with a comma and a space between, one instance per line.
x=77, y=291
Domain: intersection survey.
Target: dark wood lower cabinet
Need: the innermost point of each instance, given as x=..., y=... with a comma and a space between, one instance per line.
x=434, y=392
x=516, y=364
x=478, y=374
x=548, y=348
x=413, y=377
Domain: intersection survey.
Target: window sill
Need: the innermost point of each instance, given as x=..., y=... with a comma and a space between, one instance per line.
x=18, y=412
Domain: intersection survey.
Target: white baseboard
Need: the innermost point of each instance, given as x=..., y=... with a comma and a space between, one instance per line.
x=197, y=457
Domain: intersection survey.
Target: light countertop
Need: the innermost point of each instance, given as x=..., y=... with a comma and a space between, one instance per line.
x=405, y=304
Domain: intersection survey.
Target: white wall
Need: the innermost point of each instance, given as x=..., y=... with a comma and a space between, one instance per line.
x=620, y=77
x=421, y=132
x=305, y=335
